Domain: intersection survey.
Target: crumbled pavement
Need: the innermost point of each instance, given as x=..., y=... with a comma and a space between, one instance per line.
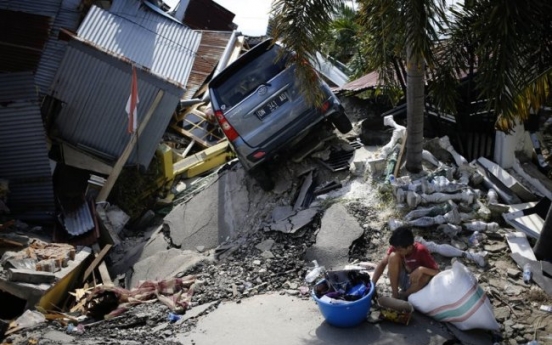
x=250, y=279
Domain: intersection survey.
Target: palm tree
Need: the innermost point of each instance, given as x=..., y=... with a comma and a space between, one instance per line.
x=301, y=26
x=508, y=47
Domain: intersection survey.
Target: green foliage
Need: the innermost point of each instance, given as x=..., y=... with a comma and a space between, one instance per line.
x=507, y=48
x=301, y=25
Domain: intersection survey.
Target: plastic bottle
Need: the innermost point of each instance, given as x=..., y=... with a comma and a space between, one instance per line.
x=315, y=273
x=492, y=196
x=527, y=274
x=474, y=239
x=174, y=317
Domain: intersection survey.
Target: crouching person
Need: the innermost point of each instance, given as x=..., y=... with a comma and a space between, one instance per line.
x=409, y=264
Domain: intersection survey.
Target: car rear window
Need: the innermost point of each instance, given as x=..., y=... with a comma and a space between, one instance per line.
x=249, y=77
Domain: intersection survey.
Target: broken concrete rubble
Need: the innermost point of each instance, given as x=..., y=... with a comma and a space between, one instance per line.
x=272, y=261
x=338, y=230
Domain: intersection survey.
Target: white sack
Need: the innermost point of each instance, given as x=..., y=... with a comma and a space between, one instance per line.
x=454, y=296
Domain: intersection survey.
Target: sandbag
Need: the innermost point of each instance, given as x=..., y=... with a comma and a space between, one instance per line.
x=454, y=296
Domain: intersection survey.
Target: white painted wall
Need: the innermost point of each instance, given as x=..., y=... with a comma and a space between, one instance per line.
x=507, y=144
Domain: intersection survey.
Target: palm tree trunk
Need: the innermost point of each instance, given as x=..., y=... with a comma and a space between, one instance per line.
x=414, y=111
x=543, y=247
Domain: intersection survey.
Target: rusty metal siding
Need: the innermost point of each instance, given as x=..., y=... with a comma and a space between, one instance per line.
x=209, y=53
x=167, y=48
x=24, y=160
x=94, y=88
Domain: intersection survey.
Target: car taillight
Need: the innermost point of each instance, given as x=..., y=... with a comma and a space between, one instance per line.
x=228, y=130
x=259, y=154
x=325, y=106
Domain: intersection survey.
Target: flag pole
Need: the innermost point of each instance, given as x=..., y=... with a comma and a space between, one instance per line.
x=118, y=167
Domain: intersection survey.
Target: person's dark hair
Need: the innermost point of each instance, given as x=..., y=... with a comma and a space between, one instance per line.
x=402, y=237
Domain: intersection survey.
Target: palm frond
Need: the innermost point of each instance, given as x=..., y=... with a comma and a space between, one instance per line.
x=301, y=26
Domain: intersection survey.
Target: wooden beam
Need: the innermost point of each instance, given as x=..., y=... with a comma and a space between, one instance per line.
x=30, y=276
x=399, y=157
x=106, y=189
x=97, y=260
x=78, y=159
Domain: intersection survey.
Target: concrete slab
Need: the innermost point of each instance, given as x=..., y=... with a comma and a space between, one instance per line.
x=166, y=264
x=155, y=243
x=59, y=337
x=294, y=223
x=279, y=319
x=337, y=232
x=214, y=215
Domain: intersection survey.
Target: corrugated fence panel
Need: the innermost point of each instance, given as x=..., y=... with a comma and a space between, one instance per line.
x=22, y=39
x=24, y=154
x=94, y=88
x=68, y=18
x=42, y=7
x=166, y=48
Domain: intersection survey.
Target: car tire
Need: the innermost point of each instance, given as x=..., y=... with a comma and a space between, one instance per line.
x=263, y=178
x=341, y=122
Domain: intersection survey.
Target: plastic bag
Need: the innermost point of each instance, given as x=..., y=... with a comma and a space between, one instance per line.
x=29, y=318
x=455, y=296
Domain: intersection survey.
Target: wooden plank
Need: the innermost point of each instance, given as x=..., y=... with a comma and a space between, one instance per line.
x=202, y=156
x=533, y=176
x=399, y=157
x=524, y=218
x=106, y=189
x=96, y=262
x=78, y=159
x=191, y=136
x=508, y=180
x=30, y=276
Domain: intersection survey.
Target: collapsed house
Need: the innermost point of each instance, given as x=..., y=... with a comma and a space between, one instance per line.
x=64, y=126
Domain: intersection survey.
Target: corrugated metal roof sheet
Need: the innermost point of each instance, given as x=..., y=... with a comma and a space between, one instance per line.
x=22, y=38
x=68, y=17
x=24, y=159
x=43, y=7
x=94, y=88
x=80, y=221
x=166, y=48
x=38, y=48
x=330, y=71
x=208, y=55
x=370, y=80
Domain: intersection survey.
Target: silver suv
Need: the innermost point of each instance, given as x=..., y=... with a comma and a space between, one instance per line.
x=261, y=110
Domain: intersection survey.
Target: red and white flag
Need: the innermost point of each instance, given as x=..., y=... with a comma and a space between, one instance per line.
x=132, y=104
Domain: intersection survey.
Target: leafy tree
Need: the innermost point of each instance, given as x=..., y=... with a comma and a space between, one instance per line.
x=302, y=24
x=506, y=47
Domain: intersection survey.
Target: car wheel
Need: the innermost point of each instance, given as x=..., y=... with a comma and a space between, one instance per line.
x=341, y=122
x=261, y=175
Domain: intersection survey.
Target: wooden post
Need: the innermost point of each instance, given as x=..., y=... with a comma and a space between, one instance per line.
x=106, y=189
x=400, y=156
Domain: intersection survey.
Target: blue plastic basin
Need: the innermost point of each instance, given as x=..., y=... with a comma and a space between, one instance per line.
x=349, y=314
